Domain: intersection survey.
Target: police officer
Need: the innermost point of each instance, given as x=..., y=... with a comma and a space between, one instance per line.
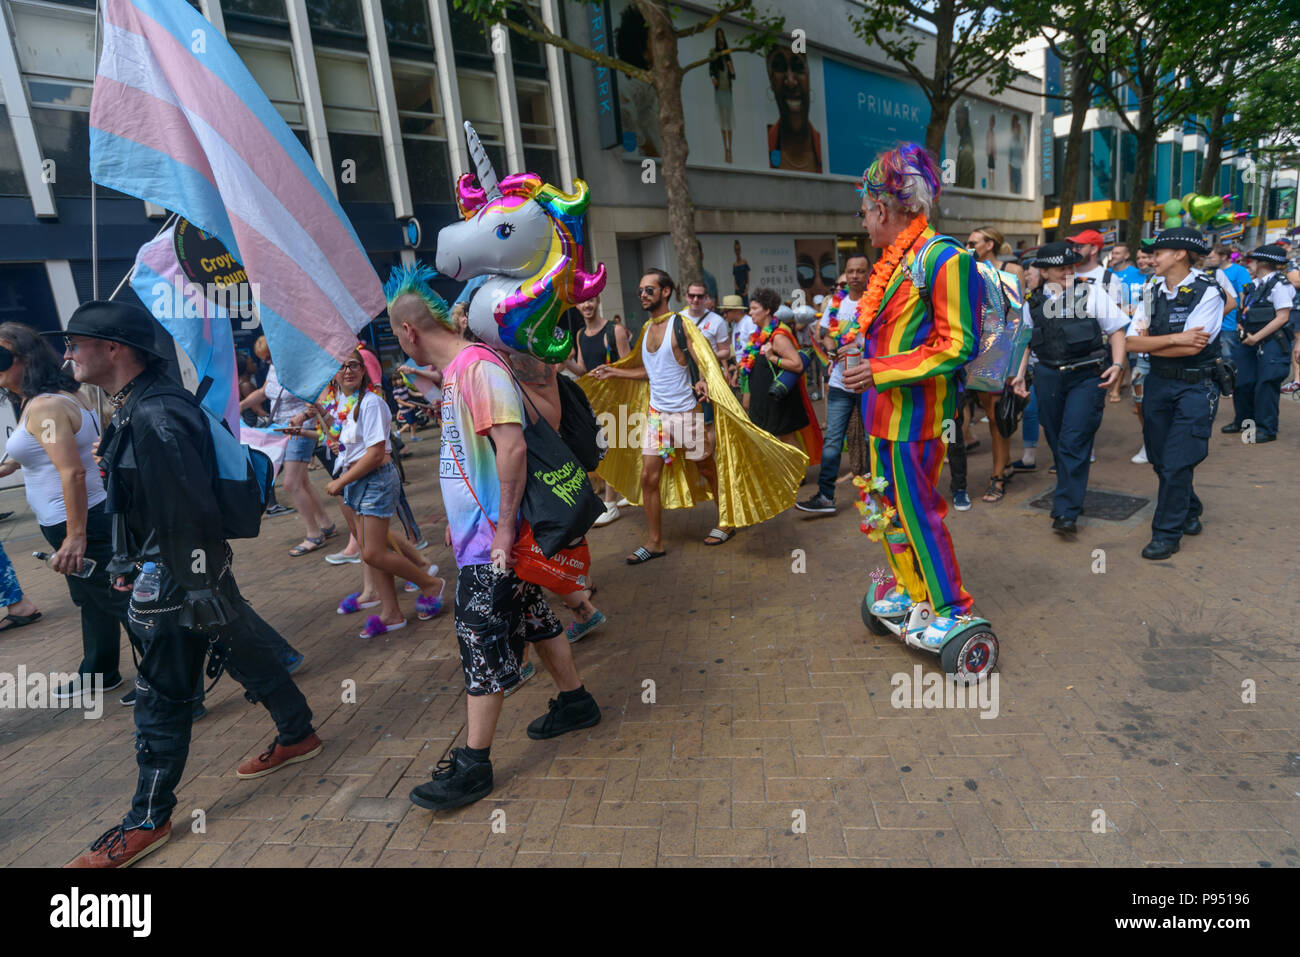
x=1177, y=324
x=1263, y=347
x=1078, y=339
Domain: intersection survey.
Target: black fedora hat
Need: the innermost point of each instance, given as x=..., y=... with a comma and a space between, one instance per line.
x=122, y=322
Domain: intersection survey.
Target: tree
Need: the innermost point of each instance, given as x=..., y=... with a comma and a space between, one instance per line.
x=664, y=74
x=972, y=40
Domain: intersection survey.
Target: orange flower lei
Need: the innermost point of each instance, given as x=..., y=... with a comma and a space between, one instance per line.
x=880, y=276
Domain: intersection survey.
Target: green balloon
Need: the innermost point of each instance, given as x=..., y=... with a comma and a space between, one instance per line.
x=1173, y=222
x=1173, y=207
x=1203, y=207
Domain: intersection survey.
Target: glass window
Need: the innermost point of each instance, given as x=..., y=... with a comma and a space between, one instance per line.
x=535, y=121
x=467, y=34
x=523, y=51
x=1189, y=171
x=352, y=118
x=1162, y=180
x=1175, y=170
x=479, y=105
x=1103, y=164
x=64, y=136
x=347, y=94
x=53, y=42
x=340, y=16
x=545, y=163
x=272, y=68
x=407, y=22
x=265, y=9
x=424, y=132
x=361, y=169
x=11, y=171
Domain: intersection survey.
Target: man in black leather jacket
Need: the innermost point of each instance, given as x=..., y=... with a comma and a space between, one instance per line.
x=161, y=466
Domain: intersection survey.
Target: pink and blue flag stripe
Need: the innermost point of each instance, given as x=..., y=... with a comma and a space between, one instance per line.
x=178, y=120
x=200, y=327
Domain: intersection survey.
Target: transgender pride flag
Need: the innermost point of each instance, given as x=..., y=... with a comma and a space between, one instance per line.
x=201, y=328
x=177, y=119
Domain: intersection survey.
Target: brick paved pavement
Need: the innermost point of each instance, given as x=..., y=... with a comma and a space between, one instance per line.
x=1119, y=692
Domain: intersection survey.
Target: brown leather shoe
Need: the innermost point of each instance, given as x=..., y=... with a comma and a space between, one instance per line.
x=118, y=847
x=278, y=755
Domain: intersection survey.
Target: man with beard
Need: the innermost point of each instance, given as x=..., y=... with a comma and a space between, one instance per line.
x=792, y=143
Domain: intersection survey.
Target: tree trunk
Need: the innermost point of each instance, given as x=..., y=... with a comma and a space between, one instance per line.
x=667, y=72
x=1213, y=151
x=1146, y=144
x=940, y=96
x=1080, y=96
x=938, y=125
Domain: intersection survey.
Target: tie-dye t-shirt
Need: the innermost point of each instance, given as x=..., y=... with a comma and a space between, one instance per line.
x=477, y=393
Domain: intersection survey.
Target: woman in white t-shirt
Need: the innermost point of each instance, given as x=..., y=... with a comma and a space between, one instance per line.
x=367, y=480
x=54, y=443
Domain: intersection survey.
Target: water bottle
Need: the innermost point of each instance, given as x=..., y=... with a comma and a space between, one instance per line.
x=147, y=585
x=87, y=564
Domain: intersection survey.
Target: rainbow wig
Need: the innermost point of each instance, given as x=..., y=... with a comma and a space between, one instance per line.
x=906, y=175
x=414, y=281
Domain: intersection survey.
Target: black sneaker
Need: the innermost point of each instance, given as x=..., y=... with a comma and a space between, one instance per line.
x=128, y=699
x=74, y=689
x=458, y=780
x=278, y=509
x=563, y=718
x=819, y=503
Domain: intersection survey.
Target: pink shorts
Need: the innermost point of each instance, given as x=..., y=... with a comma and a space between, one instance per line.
x=666, y=432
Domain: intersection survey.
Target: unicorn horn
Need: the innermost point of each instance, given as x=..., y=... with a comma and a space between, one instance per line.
x=487, y=177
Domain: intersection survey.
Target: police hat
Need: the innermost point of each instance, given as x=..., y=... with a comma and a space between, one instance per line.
x=1056, y=254
x=122, y=322
x=1146, y=244
x=1181, y=237
x=1272, y=253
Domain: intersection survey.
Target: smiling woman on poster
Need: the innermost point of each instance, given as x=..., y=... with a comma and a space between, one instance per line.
x=792, y=142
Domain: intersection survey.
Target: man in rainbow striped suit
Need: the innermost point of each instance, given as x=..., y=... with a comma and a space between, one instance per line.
x=916, y=341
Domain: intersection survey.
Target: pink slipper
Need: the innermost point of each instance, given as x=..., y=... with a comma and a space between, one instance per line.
x=350, y=604
x=426, y=608
x=375, y=627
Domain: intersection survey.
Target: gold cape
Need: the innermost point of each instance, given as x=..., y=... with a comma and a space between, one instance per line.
x=758, y=474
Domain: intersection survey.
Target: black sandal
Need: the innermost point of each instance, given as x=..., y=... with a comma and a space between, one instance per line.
x=996, y=491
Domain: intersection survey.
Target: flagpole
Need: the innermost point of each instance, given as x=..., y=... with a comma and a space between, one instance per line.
x=94, y=217
x=131, y=272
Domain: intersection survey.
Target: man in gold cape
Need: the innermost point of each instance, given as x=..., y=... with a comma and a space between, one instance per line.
x=758, y=475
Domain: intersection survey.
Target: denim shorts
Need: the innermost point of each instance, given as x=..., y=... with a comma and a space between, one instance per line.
x=300, y=448
x=374, y=494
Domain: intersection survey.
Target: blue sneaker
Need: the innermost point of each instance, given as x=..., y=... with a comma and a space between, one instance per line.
x=893, y=605
x=526, y=672
x=961, y=501
x=199, y=711
x=578, y=630
x=938, y=631
x=292, y=662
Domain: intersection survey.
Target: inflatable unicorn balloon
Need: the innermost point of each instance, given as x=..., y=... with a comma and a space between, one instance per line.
x=526, y=236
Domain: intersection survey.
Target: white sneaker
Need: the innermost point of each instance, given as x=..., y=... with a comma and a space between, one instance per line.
x=623, y=503
x=1141, y=457
x=611, y=515
x=1092, y=456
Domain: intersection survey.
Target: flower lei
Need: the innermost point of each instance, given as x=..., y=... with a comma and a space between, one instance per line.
x=339, y=406
x=877, y=514
x=880, y=276
x=756, y=342
x=654, y=422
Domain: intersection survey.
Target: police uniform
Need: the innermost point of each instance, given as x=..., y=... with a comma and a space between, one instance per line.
x=1263, y=367
x=1070, y=334
x=1181, y=395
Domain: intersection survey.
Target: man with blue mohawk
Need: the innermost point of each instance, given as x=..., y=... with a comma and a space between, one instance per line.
x=482, y=468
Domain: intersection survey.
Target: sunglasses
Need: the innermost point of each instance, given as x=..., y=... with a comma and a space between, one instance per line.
x=697, y=295
x=649, y=290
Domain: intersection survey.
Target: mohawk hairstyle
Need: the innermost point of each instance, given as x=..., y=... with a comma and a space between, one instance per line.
x=414, y=281
x=906, y=177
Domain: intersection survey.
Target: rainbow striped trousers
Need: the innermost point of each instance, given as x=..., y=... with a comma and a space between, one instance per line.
x=928, y=568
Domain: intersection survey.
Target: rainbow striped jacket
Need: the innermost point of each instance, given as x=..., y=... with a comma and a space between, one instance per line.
x=917, y=343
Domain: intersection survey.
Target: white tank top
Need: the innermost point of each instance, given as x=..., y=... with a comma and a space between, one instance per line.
x=41, y=478
x=670, y=383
